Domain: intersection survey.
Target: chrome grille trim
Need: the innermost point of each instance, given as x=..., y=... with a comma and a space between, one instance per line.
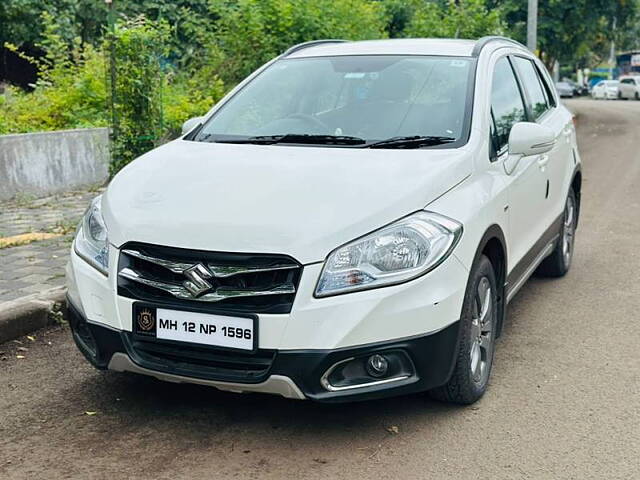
x=221, y=293
x=219, y=271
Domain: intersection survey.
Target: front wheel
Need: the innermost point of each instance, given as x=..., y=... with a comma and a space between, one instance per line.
x=478, y=324
x=557, y=264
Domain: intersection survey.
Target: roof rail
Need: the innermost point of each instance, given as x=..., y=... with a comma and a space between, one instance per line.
x=312, y=43
x=482, y=42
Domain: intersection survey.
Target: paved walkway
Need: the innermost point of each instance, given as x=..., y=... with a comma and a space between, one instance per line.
x=27, y=268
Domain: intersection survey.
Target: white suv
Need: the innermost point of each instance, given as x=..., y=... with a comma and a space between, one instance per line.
x=349, y=222
x=629, y=87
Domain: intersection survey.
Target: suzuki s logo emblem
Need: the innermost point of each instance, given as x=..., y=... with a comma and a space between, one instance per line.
x=197, y=279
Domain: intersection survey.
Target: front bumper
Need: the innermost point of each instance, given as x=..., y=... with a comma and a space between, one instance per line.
x=293, y=373
x=418, y=318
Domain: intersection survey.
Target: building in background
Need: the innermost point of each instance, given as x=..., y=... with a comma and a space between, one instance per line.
x=628, y=62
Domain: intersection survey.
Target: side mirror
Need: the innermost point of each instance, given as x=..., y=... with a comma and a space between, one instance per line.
x=525, y=139
x=190, y=124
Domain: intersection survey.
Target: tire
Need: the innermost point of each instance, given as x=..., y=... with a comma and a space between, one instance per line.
x=474, y=359
x=558, y=263
x=637, y=96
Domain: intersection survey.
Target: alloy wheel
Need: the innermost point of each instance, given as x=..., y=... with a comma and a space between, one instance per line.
x=482, y=332
x=569, y=231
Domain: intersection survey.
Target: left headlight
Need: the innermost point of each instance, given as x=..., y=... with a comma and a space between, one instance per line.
x=91, y=241
x=399, y=252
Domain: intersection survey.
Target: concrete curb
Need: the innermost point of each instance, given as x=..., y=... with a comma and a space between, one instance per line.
x=24, y=315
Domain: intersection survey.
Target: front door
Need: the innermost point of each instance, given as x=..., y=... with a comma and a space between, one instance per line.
x=528, y=182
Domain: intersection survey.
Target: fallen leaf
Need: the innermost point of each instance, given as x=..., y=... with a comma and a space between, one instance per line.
x=393, y=430
x=31, y=337
x=22, y=349
x=19, y=356
x=90, y=414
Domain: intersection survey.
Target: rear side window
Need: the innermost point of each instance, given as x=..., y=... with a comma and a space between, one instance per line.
x=507, y=107
x=533, y=86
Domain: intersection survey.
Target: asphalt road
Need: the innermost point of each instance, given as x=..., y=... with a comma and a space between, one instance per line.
x=564, y=401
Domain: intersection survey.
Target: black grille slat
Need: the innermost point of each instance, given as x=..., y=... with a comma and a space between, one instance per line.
x=161, y=350
x=201, y=361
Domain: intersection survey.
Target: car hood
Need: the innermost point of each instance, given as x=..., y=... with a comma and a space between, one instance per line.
x=300, y=201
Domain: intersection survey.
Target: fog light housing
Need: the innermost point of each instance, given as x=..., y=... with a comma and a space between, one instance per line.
x=368, y=371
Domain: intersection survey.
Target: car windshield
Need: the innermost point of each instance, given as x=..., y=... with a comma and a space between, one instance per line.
x=350, y=101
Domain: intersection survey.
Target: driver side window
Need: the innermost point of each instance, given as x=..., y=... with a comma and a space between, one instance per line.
x=507, y=106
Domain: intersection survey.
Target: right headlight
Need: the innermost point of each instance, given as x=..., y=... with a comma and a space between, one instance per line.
x=91, y=241
x=399, y=252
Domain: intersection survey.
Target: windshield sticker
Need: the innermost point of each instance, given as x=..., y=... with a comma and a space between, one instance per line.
x=354, y=75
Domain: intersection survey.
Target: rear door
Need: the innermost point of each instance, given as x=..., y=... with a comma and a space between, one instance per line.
x=542, y=109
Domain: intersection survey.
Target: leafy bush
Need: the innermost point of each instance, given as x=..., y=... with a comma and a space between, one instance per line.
x=138, y=47
x=251, y=32
x=70, y=91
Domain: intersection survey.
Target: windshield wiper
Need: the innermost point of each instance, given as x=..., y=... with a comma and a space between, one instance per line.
x=301, y=138
x=415, y=141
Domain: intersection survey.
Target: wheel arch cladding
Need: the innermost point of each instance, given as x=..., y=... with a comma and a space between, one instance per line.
x=493, y=246
x=576, y=185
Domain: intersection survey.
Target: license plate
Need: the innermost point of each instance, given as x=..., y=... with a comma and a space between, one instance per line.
x=196, y=327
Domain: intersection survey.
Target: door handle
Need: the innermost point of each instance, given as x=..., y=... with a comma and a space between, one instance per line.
x=542, y=161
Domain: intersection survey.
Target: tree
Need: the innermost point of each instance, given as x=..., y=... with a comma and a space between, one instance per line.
x=455, y=19
x=569, y=32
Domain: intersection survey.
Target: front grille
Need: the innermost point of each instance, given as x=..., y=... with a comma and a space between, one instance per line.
x=249, y=283
x=200, y=361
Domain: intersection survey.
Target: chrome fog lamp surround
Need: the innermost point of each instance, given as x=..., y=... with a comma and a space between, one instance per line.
x=354, y=372
x=397, y=253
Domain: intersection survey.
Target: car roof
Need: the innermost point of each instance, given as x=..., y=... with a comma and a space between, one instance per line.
x=403, y=46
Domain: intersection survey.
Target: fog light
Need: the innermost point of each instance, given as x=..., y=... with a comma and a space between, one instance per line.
x=369, y=370
x=377, y=366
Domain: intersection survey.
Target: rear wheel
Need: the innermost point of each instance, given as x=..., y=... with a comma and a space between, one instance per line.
x=558, y=263
x=470, y=375
x=637, y=96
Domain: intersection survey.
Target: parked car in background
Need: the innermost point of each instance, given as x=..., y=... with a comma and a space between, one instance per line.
x=606, y=89
x=565, y=89
x=348, y=223
x=578, y=89
x=629, y=87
